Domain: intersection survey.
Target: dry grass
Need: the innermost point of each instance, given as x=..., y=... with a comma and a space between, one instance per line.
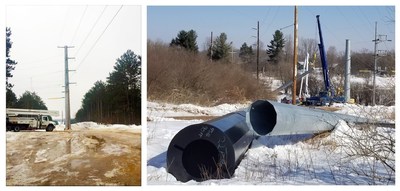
x=178, y=76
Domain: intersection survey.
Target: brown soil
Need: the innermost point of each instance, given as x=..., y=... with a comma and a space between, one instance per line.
x=74, y=158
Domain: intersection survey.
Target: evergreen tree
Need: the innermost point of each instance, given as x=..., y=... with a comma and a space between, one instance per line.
x=11, y=98
x=246, y=53
x=94, y=104
x=10, y=64
x=274, y=50
x=186, y=40
x=30, y=100
x=220, y=48
x=124, y=84
x=119, y=99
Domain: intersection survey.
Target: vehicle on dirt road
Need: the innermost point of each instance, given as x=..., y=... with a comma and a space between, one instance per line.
x=29, y=119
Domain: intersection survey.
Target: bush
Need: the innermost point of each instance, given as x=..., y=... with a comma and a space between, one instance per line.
x=179, y=76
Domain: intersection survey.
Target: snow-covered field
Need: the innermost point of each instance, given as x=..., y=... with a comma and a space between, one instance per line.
x=348, y=155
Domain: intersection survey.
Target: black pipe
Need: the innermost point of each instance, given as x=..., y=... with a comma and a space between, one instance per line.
x=209, y=150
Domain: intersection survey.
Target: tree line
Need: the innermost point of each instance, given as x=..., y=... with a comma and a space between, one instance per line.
x=118, y=100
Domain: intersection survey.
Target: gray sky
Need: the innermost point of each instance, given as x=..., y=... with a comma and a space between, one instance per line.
x=37, y=31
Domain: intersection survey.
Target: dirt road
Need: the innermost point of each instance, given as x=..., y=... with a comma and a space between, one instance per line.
x=84, y=157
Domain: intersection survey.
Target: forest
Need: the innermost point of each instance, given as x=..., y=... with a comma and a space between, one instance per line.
x=118, y=100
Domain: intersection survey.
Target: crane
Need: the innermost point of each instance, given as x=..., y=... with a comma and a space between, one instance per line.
x=328, y=95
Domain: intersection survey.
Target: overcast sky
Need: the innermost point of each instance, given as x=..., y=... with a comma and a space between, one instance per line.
x=37, y=31
x=339, y=23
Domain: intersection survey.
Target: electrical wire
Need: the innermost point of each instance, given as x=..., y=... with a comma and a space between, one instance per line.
x=79, y=24
x=91, y=30
x=94, y=44
x=65, y=21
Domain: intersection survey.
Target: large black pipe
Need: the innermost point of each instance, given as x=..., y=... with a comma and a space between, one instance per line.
x=209, y=150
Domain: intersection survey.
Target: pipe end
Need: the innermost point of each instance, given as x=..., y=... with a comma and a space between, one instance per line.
x=261, y=117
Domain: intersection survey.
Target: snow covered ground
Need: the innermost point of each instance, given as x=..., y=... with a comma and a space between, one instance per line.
x=334, y=158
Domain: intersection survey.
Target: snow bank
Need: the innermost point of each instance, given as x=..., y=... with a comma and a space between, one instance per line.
x=92, y=125
x=378, y=112
x=166, y=110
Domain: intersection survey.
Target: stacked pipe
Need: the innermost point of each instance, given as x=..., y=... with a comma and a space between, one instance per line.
x=213, y=149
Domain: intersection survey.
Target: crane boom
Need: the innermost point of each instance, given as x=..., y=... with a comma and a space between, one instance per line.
x=15, y=112
x=324, y=62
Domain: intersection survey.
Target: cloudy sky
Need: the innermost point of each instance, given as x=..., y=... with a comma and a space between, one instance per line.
x=100, y=34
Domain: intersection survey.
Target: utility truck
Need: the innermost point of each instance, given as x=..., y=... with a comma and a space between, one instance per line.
x=29, y=119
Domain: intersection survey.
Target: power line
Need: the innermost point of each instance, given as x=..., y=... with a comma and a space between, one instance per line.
x=65, y=22
x=90, y=50
x=91, y=30
x=272, y=21
x=80, y=22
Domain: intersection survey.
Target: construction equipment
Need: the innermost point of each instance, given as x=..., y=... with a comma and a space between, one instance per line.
x=29, y=119
x=327, y=96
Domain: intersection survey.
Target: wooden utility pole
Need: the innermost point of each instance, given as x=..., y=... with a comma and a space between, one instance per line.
x=258, y=45
x=211, y=47
x=295, y=57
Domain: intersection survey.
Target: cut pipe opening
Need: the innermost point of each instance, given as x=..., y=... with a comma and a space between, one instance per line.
x=262, y=117
x=200, y=159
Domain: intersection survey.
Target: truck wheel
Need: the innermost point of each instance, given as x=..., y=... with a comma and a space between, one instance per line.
x=8, y=128
x=50, y=128
x=17, y=128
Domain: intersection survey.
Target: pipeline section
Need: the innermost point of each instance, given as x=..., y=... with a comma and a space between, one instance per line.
x=209, y=150
x=213, y=149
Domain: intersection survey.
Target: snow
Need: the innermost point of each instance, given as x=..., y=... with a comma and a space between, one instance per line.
x=276, y=160
x=162, y=110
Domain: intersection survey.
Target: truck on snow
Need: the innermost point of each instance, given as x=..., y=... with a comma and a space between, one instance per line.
x=29, y=119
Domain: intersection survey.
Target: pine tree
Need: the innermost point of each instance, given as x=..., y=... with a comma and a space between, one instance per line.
x=125, y=82
x=186, y=40
x=274, y=50
x=94, y=104
x=220, y=48
x=11, y=98
x=10, y=64
x=119, y=99
x=30, y=100
x=246, y=53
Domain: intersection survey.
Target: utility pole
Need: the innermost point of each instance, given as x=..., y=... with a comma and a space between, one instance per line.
x=295, y=57
x=347, y=72
x=67, y=100
x=211, y=47
x=378, y=39
x=258, y=44
x=232, y=51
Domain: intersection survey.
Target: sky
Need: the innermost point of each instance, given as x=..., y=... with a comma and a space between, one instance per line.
x=338, y=23
x=100, y=35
